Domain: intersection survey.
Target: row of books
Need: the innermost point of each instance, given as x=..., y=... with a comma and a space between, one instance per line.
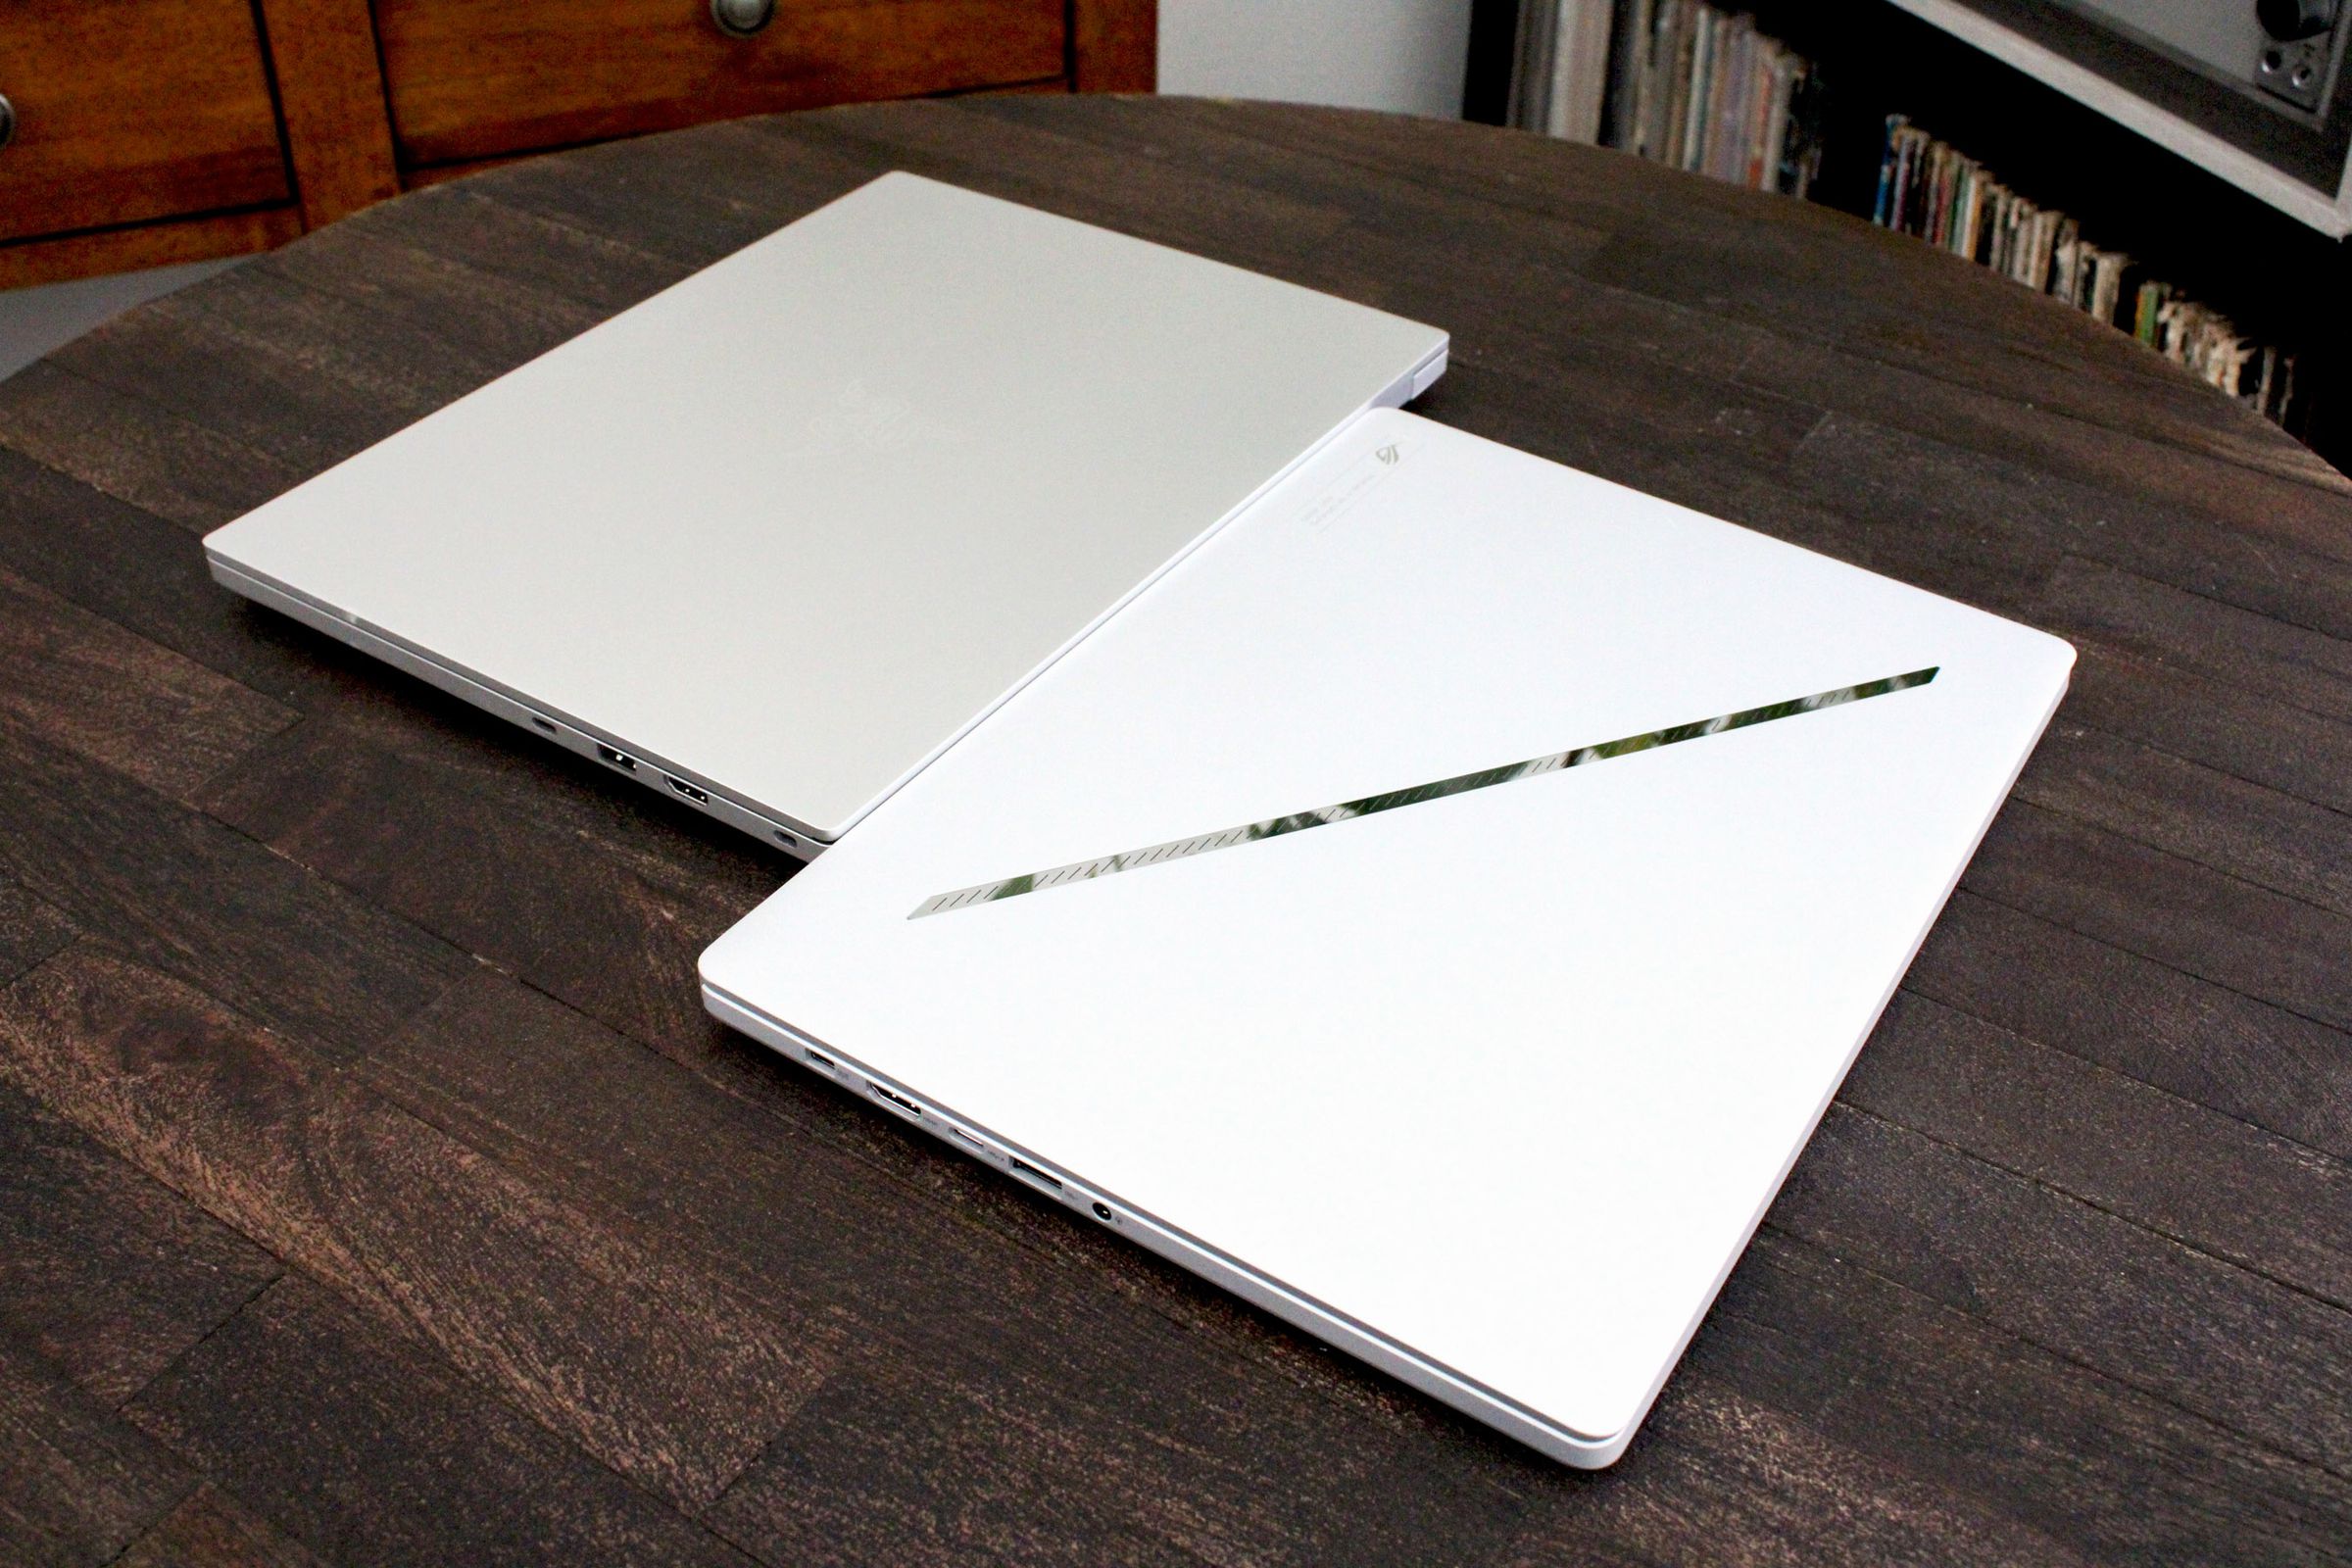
x=1929, y=188
x=1560, y=67
x=1701, y=89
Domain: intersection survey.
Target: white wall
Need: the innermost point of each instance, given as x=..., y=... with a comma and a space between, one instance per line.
x=1403, y=54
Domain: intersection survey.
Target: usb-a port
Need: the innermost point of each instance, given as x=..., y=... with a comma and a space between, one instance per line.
x=1021, y=1167
x=620, y=759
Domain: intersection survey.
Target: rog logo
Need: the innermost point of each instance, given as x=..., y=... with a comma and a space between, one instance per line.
x=1387, y=455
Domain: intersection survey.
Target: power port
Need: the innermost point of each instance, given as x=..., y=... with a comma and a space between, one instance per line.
x=620, y=759
x=1102, y=1211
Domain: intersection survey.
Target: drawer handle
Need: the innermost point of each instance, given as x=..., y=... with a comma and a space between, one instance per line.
x=740, y=19
x=8, y=120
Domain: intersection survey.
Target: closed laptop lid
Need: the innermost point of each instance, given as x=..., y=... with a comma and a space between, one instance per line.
x=790, y=525
x=1452, y=893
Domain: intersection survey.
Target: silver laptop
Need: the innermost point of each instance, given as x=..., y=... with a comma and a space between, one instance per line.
x=1438, y=909
x=770, y=541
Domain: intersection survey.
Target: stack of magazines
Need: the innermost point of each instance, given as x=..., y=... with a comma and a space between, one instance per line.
x=1929, y=188
x=1703, y=90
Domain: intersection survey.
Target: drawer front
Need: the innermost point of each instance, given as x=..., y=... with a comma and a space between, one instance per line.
x=475, y=78
x=134, y=110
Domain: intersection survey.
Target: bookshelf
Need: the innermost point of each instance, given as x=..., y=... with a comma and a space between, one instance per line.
x=2179, y=207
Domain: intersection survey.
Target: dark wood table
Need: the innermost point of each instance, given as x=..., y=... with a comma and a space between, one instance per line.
x=372, y=1190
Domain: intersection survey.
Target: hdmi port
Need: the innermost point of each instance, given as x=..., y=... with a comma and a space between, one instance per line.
x=1021, y=1167
x=896, y=1099
x=699, y=797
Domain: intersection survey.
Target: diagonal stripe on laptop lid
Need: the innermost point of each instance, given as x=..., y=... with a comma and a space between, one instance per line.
x=1419, y=794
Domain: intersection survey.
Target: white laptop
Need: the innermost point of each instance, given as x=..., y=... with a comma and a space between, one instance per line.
x=771, y=540
x=1439, y=908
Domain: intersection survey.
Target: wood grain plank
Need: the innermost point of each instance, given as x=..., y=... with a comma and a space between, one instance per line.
x=134, y=450
x=429, y=296
x=213, y=1529
x=31, y=930
x=531, y=857
x=985, y=1473
x=2110, y=1472
x=370, y=1452
x=2197, y=920
x=634, y=1355
x=77, y=1483
x=2239, y=1350
x=2247, y=831
x=2134, y=470
x=1704, y=467
x=148, y=577
x=2234, y=731
x=270, y=395
x=2209, y=1181
x=1282, y=232
x=466, y=225
x=2244, y=1057
x=1720, y=1476
x=2301, y=582
x=2291, y=664
x=263, y=311
x=84, y=684
x=720, y=196
x=1113, y=1373
x=106, y=1273
x=1891, y=529
x=202, y=902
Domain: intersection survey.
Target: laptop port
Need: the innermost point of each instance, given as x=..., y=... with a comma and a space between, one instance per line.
x=620, y=759
x=817, y=1058
x=895, y=1098
x=1021, y=1167
x=787, y=840
x=699, y=797
x=1101, y=1211
x=546, y=724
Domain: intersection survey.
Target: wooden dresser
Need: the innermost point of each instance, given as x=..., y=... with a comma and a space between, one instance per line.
x=142, y=133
